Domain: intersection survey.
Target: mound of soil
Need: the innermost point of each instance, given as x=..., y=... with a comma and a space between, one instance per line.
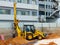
x=16, y=41
x=52, y=36
x=2, y=42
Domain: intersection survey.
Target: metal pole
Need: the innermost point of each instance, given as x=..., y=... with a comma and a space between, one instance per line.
x=45, y=10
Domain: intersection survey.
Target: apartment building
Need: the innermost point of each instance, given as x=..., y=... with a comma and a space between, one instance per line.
x=28, y=11
x=46, y=8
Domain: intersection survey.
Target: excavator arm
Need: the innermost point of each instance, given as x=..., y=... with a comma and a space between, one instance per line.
x=18, y=30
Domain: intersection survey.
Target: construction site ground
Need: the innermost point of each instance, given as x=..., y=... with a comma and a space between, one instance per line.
x=51, y=39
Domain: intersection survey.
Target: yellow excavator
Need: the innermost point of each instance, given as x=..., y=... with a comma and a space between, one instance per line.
x=29, y=32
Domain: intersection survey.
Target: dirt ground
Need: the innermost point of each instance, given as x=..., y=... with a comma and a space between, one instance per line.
x=51, y=43
x=21, y=41
x=17, y=41
x=51, y=39
x=52, y=36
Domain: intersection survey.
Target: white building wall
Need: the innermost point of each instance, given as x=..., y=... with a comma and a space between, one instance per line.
x=6, y=20
x=19, y=17
x=47, y=2
x=36, y=24
x=19, y=5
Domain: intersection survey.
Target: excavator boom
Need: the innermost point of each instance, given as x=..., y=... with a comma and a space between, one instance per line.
x=17, y=28
x=14, y=12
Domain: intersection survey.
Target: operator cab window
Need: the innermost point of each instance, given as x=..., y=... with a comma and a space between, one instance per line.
x=29, y=28
x=26, y=28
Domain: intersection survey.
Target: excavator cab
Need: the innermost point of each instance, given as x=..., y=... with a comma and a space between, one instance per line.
x=28, y=31
x=29, y=28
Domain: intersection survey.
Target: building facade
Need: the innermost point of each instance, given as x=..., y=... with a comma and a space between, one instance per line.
x=47, y=7
x=28, y=11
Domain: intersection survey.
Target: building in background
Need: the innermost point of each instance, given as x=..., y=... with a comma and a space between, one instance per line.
x=59, y=6
x=46, y=8
x=28, y=12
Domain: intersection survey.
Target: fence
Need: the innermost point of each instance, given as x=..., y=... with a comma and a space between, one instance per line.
x=48, y=27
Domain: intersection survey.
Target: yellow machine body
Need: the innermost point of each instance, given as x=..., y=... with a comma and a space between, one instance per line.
x=37, y=33
x=34, y=35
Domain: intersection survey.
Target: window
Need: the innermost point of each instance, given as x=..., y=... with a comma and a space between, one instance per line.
x=27, y=13
x=49, y=0
x=34, y=2
x=23, y=12
x=34, y=13
x=5, y=11
x=52, y=0
x=19, y=1
x=41, y=0
x=18, y=12
x=41, y=13
x=48, y=6
x=41, y=5
x=2, y=0
x=10, y=0
x=48, y=13
x=26, y=1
